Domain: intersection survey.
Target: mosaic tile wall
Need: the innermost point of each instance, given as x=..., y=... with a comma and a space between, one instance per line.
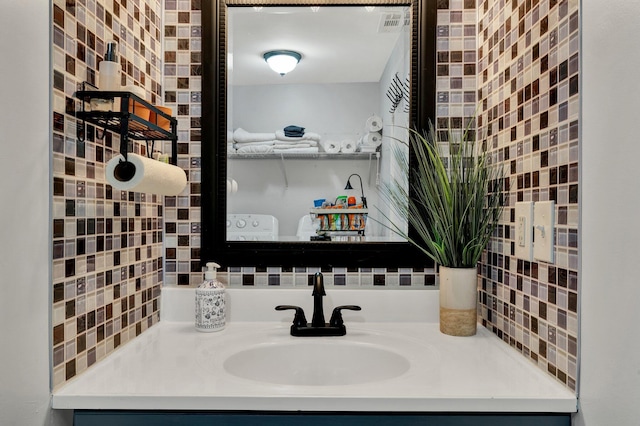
x=182, y=83
x=182, y=92
x=106, y=244
x=528, y=68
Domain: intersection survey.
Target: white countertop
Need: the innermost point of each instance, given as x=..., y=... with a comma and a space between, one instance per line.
x=173, y=367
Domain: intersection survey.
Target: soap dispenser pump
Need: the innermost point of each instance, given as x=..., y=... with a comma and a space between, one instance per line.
x=210, y=302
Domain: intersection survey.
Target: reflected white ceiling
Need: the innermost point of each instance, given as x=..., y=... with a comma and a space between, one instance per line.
x=337, y=44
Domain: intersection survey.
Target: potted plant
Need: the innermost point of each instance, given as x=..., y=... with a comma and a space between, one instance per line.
x=454, y=204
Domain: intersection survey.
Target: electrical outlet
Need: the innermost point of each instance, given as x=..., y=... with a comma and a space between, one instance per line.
x=543, y=225
x=524, y=223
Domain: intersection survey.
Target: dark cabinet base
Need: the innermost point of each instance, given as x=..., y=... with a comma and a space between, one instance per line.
x=199, y=418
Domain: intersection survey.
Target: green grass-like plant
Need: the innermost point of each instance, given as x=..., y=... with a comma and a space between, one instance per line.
x=456, y=198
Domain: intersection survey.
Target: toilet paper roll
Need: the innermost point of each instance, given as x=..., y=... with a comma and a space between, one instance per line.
x=142, y=174
x=373, y=124
x=348, y=146
x=232, y=186
x=331, y=147
x=372, y=138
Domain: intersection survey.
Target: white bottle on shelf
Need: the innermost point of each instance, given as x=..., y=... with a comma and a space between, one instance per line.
x=109, y=70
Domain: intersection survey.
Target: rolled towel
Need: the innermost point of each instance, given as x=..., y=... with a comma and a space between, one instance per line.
x=307, y=136
x=348, y=146
x=371, y=138
x=373, y=124
x=241, y=135
x=332, y=147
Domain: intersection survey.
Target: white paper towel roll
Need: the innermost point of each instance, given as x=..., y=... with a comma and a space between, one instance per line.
x=331, y=147
x=372, y=138
x=373, y=124
x=146, y=175
x=348, y=146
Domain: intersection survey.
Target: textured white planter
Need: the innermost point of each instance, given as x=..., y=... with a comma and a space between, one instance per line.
x=458, y=301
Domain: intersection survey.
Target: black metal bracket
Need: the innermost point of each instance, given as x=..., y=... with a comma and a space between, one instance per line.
x=125, y=122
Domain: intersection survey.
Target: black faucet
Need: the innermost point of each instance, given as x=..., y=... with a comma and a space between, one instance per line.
x=318, y=327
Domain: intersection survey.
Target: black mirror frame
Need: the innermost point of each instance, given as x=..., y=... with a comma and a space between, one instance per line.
x=214, y=168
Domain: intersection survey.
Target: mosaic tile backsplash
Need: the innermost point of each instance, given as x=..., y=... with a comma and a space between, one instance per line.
x=511, y=64
x=106, y=244
x=528, y=83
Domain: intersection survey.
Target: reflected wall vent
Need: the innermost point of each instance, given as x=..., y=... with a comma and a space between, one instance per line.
x=390, y=22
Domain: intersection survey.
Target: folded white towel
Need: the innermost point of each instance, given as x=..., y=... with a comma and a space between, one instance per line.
x=288, y=143
x=291, y=145
x=255, y=149
x=241, y=135
x=310, y=150
x=257, y=143
x=308, y=136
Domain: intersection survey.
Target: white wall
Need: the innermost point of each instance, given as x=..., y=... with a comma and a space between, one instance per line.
x=610, y=286
x=396, y=124
x=24, y=215
x=333, y=110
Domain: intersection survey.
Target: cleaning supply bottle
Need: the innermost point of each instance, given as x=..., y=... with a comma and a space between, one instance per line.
x=210, y=302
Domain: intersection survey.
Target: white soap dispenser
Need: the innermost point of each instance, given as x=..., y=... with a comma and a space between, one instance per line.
x=210, y=302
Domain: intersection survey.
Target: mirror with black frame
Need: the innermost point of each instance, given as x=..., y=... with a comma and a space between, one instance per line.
x=250, y=115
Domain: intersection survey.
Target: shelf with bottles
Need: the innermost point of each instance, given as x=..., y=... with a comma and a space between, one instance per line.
x=334, y=222
x=128, y=115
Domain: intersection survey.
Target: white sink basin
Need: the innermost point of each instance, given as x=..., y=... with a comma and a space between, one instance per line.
x=323, y=362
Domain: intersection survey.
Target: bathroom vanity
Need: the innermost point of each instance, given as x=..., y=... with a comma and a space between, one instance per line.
x=393, y=367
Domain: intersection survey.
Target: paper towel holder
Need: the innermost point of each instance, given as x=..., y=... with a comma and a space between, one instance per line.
x=124, y=171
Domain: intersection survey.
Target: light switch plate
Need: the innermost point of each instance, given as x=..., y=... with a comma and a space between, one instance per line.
x=524, y=230
x=544, y=230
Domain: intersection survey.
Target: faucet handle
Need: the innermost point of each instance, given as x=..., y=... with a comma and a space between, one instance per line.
x=336, y=315
x=299, y=320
